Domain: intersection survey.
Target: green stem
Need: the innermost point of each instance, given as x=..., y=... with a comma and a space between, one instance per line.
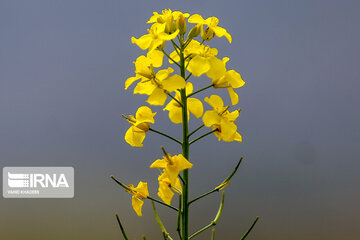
x=197, y=129
x=121, y=227
x=213, y=234
x=202, y=136
x=213, y=223
x=185, y=152
x=167, y=205
x=165, y=135
x=178, y=229
x=190, y=74
x=200, y=90
x=174, y=99
x=166, y=235
x=252, y=226
x=204, y=195
x=170, y=57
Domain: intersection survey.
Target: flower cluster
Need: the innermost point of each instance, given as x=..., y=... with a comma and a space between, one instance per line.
x=189, y=56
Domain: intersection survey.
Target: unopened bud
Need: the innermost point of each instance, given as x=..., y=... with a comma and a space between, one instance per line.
x=208, y=34
x=181, y=24
x=144, y=126
x=195, y=31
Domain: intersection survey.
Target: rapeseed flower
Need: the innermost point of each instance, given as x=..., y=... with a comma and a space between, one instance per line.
x=135, y=135
x=140, y=192
x=221, y=119
x=165, y=188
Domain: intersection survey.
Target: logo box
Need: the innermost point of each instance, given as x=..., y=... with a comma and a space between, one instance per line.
x=38, y=182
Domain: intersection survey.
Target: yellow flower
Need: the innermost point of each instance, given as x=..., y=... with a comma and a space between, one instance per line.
x=212, y=27
x=165, y=188
x=167, y=18
x=172, y=166
x=202, y=60
x=194, y=105
x=230, y=80
x=222, y=120
x=135, y=135
x=156, y=85
x=140, y=192
x=155, y=38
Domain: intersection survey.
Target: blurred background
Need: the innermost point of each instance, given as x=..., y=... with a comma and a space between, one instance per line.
x=62, y=70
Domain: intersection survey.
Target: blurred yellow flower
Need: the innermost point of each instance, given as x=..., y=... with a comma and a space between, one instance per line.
x=230, y=80
x=194, y=105
x=212, y=27
x=172, y=166
x=222, y=120
x=140, y=192
x=135, y=135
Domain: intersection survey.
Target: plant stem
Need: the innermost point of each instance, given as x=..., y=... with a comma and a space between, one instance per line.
x=200, y=90
x=174, y=99
x=167, y=205
x=121, y=227
x=197, y=129
x=204, y=195
x=166, y=235
x=208, y=133
x=213, y=222
x=248, y=231
x=185, y=151
x=170, y=57
x=165, y=135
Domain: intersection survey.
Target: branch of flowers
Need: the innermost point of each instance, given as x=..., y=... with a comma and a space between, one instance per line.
x=166, y=235
x=170, y=57
x=175, y=99
x=149, y=197
x=248, y=231
x=197, y=129
x=222, y=185
x=213, y=222
x=121, y=227
x=165, y=135
x=200, y=90
x=190, y=74
x=197, y=139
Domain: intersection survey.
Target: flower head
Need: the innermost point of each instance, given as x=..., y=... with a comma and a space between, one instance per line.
x=172, y=166
x=194, y=105
x=135, y=135
x=230, y=80
x=165, y=188
x=212, y=27
x=140, y=192
x=167, y=18
x=221, y=119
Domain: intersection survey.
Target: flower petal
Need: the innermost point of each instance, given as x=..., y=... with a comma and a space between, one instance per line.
x=137, y=205
x=157, y=97
x=173, y=83
x=134, y=136
x=199, y=65
x=195, y=106
x=210, y=118
x=233, y=96
x=217, y=68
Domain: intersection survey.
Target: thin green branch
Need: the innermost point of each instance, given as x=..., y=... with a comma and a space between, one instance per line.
x=174, y=43
x=202, y=136
x=213, y=234
x=222, y=185
x=248, y=231
x=121, y=227
x=213, y=222
x=149, y=197
x=170, y=57
x=178, y=229
x=165, y=135
x=166, y=235
x=197, y=129
x=175, y=99
x=200, y=90
x=190, y=74
x=162, y=203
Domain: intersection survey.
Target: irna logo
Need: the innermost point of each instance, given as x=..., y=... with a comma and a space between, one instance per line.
x=38, y=182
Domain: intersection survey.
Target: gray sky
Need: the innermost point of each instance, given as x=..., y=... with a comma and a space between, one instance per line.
x=62, y=70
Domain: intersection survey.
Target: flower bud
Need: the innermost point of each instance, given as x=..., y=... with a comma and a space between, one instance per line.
x=181, y=24
x=194, y=32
